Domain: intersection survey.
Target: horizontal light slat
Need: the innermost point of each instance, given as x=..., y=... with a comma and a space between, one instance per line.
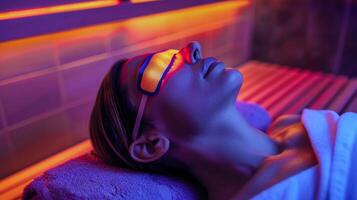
x=330, y=92
x=273, y=88
x=276, y=97
x=292, y=97
x=266, y=77
x=352, y=106
x=344, y=97
x=309, y=96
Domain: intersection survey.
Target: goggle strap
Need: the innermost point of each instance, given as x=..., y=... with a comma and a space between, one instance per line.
x=139, y=116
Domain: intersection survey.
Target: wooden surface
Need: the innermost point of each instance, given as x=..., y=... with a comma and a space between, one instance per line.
x=285, y=90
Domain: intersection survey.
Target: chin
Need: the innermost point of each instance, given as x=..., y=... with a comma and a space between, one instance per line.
x=232, y=80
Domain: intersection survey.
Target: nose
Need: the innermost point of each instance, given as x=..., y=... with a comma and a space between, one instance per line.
x=192, y=52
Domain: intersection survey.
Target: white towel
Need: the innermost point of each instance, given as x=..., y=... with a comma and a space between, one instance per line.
x=333, y=138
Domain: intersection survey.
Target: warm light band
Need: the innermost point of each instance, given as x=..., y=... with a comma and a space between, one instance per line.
x=12, y=186
x=57, y=9
x=141, y=1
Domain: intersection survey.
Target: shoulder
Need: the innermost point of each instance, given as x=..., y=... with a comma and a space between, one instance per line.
x=283, y=121
x=289, y=132
x=296, y=156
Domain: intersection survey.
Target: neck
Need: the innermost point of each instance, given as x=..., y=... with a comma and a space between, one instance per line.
x=226, y=156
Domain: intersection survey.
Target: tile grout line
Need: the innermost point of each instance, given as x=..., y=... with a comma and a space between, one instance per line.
x=50, y=113
x=59, y=76
x=127, y=49
x=7, y=136
x=60, y=84
x=172, y=37
x=11, y=150
x=107, y=44
x=54, y=69
x=2, y=115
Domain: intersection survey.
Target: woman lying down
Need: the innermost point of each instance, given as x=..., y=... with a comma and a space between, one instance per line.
x=174, y=111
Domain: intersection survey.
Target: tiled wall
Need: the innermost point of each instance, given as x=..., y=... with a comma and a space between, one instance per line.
x=48, y=83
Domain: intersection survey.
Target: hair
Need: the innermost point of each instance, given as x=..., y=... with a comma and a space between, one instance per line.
x=111, y=125
x=112, y=122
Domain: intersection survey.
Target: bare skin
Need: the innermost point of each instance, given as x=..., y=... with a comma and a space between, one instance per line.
x=195, y=112
x=296, y=156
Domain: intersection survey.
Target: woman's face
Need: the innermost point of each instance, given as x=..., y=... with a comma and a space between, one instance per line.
x=189, y=96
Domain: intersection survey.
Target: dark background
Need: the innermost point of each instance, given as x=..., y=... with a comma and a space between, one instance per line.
x=311, y=34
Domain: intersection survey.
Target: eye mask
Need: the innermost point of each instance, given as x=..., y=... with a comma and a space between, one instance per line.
x=154, y=69
x=151, y=74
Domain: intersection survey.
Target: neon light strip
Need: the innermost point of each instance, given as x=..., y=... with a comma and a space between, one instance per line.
x=8, y=185
x=58, y=9
x=141, y=1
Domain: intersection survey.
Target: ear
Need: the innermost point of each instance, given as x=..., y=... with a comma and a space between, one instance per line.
x=149, y=147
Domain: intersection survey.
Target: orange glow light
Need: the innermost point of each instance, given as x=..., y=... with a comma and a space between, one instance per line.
x=11, y=187
x=57, y=9
x=141, y=1
x=152, y=30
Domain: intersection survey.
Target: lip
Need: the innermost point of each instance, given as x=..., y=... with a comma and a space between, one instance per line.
x=210, y=68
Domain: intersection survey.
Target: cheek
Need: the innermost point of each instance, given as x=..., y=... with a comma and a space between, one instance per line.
x=182, y=93
x=178, y=87
x=176, y=111
x=185, y=98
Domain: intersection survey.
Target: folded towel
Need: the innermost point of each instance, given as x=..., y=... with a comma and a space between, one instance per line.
x=87, y=177
x=334, y=141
